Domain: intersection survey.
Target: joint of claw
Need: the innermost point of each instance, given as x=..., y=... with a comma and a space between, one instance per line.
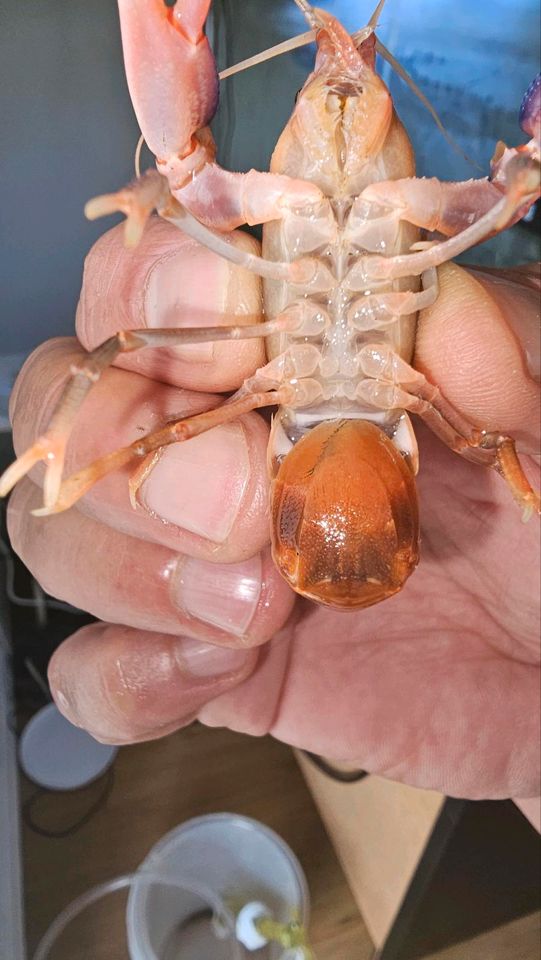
x=312, y=274
x=527, y=513
x=77, y=370
x=525, y=171
x=302, y=272
x=291, y=320
x=367, y=270
x=523, y=182
x=136, y=201
x=128, y=340
x=380, y=394
x=423, y=245
x=382, y=363
x=305, y=392
x=486, y=440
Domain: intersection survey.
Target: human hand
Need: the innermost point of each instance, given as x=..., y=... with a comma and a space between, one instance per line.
x=437, y=686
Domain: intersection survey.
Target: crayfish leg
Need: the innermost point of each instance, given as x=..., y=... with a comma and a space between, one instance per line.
x=51, y=446
x=150, y=192
x=510, y=468
x=147, y=448
x=523, y=188
x=136, y=201
x=395, y=384
x=173, y=83
x=47, y=448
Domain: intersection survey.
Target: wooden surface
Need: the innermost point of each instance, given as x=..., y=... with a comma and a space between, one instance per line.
x=157, y=786
x=519, y=940
x=379, y=830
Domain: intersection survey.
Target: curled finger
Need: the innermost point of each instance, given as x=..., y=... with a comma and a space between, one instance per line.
x=125, y=685
x=145, y=585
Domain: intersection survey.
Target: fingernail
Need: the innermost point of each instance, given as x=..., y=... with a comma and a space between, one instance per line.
x=206, y=660
x=186, y=289
x=66, y=706
x=225, y=595
x=199, y=484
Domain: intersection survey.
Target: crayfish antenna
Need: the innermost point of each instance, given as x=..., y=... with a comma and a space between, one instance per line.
x=374, y=19
x=415, y=89
x=285, y=47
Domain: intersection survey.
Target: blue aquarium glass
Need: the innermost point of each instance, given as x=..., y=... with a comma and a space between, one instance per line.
x=473, y=61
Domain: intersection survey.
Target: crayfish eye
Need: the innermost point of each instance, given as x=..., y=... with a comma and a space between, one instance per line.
x=170, y=3
x=345, y=526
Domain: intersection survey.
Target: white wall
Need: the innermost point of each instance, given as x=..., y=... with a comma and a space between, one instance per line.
x=67, y=132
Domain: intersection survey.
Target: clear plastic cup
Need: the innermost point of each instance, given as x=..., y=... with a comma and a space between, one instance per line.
x=204, y=928
x=239, y=860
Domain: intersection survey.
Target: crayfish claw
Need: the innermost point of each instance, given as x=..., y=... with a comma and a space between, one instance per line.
x=18, y=469
x=137, y=201
x=52, y=482
x=46, y=511
x=51, y=451
x=139, y=476
x=56, y=502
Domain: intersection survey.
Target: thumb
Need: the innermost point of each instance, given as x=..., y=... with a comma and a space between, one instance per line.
x=479, y=343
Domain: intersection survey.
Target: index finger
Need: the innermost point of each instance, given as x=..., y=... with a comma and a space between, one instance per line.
x=170, y=281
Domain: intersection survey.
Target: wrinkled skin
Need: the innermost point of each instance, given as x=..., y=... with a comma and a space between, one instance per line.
x=437, y=687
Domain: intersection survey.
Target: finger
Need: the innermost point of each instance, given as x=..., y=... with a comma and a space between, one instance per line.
x=170, y=280
x=126, y=686
x=207, y=497
x=472, y=346
x=145, y=585
x=517, y=291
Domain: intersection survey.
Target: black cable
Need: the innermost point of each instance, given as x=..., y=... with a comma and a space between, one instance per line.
x=28, y=807
x=341, y=776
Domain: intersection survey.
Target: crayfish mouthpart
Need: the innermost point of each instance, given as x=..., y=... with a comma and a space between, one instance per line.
x=345, y=526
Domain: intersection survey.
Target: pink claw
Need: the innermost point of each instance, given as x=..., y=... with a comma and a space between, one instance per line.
x=530, y=109
x=174, y=88
x=171, y=72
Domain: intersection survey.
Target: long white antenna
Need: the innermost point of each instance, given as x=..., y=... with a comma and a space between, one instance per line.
x=404, y=75
x=293, y=44
x=374, y=19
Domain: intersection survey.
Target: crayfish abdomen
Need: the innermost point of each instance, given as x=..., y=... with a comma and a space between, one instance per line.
x=345, y=527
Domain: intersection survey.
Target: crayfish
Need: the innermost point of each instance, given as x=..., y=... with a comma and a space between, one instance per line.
x=345, y=271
